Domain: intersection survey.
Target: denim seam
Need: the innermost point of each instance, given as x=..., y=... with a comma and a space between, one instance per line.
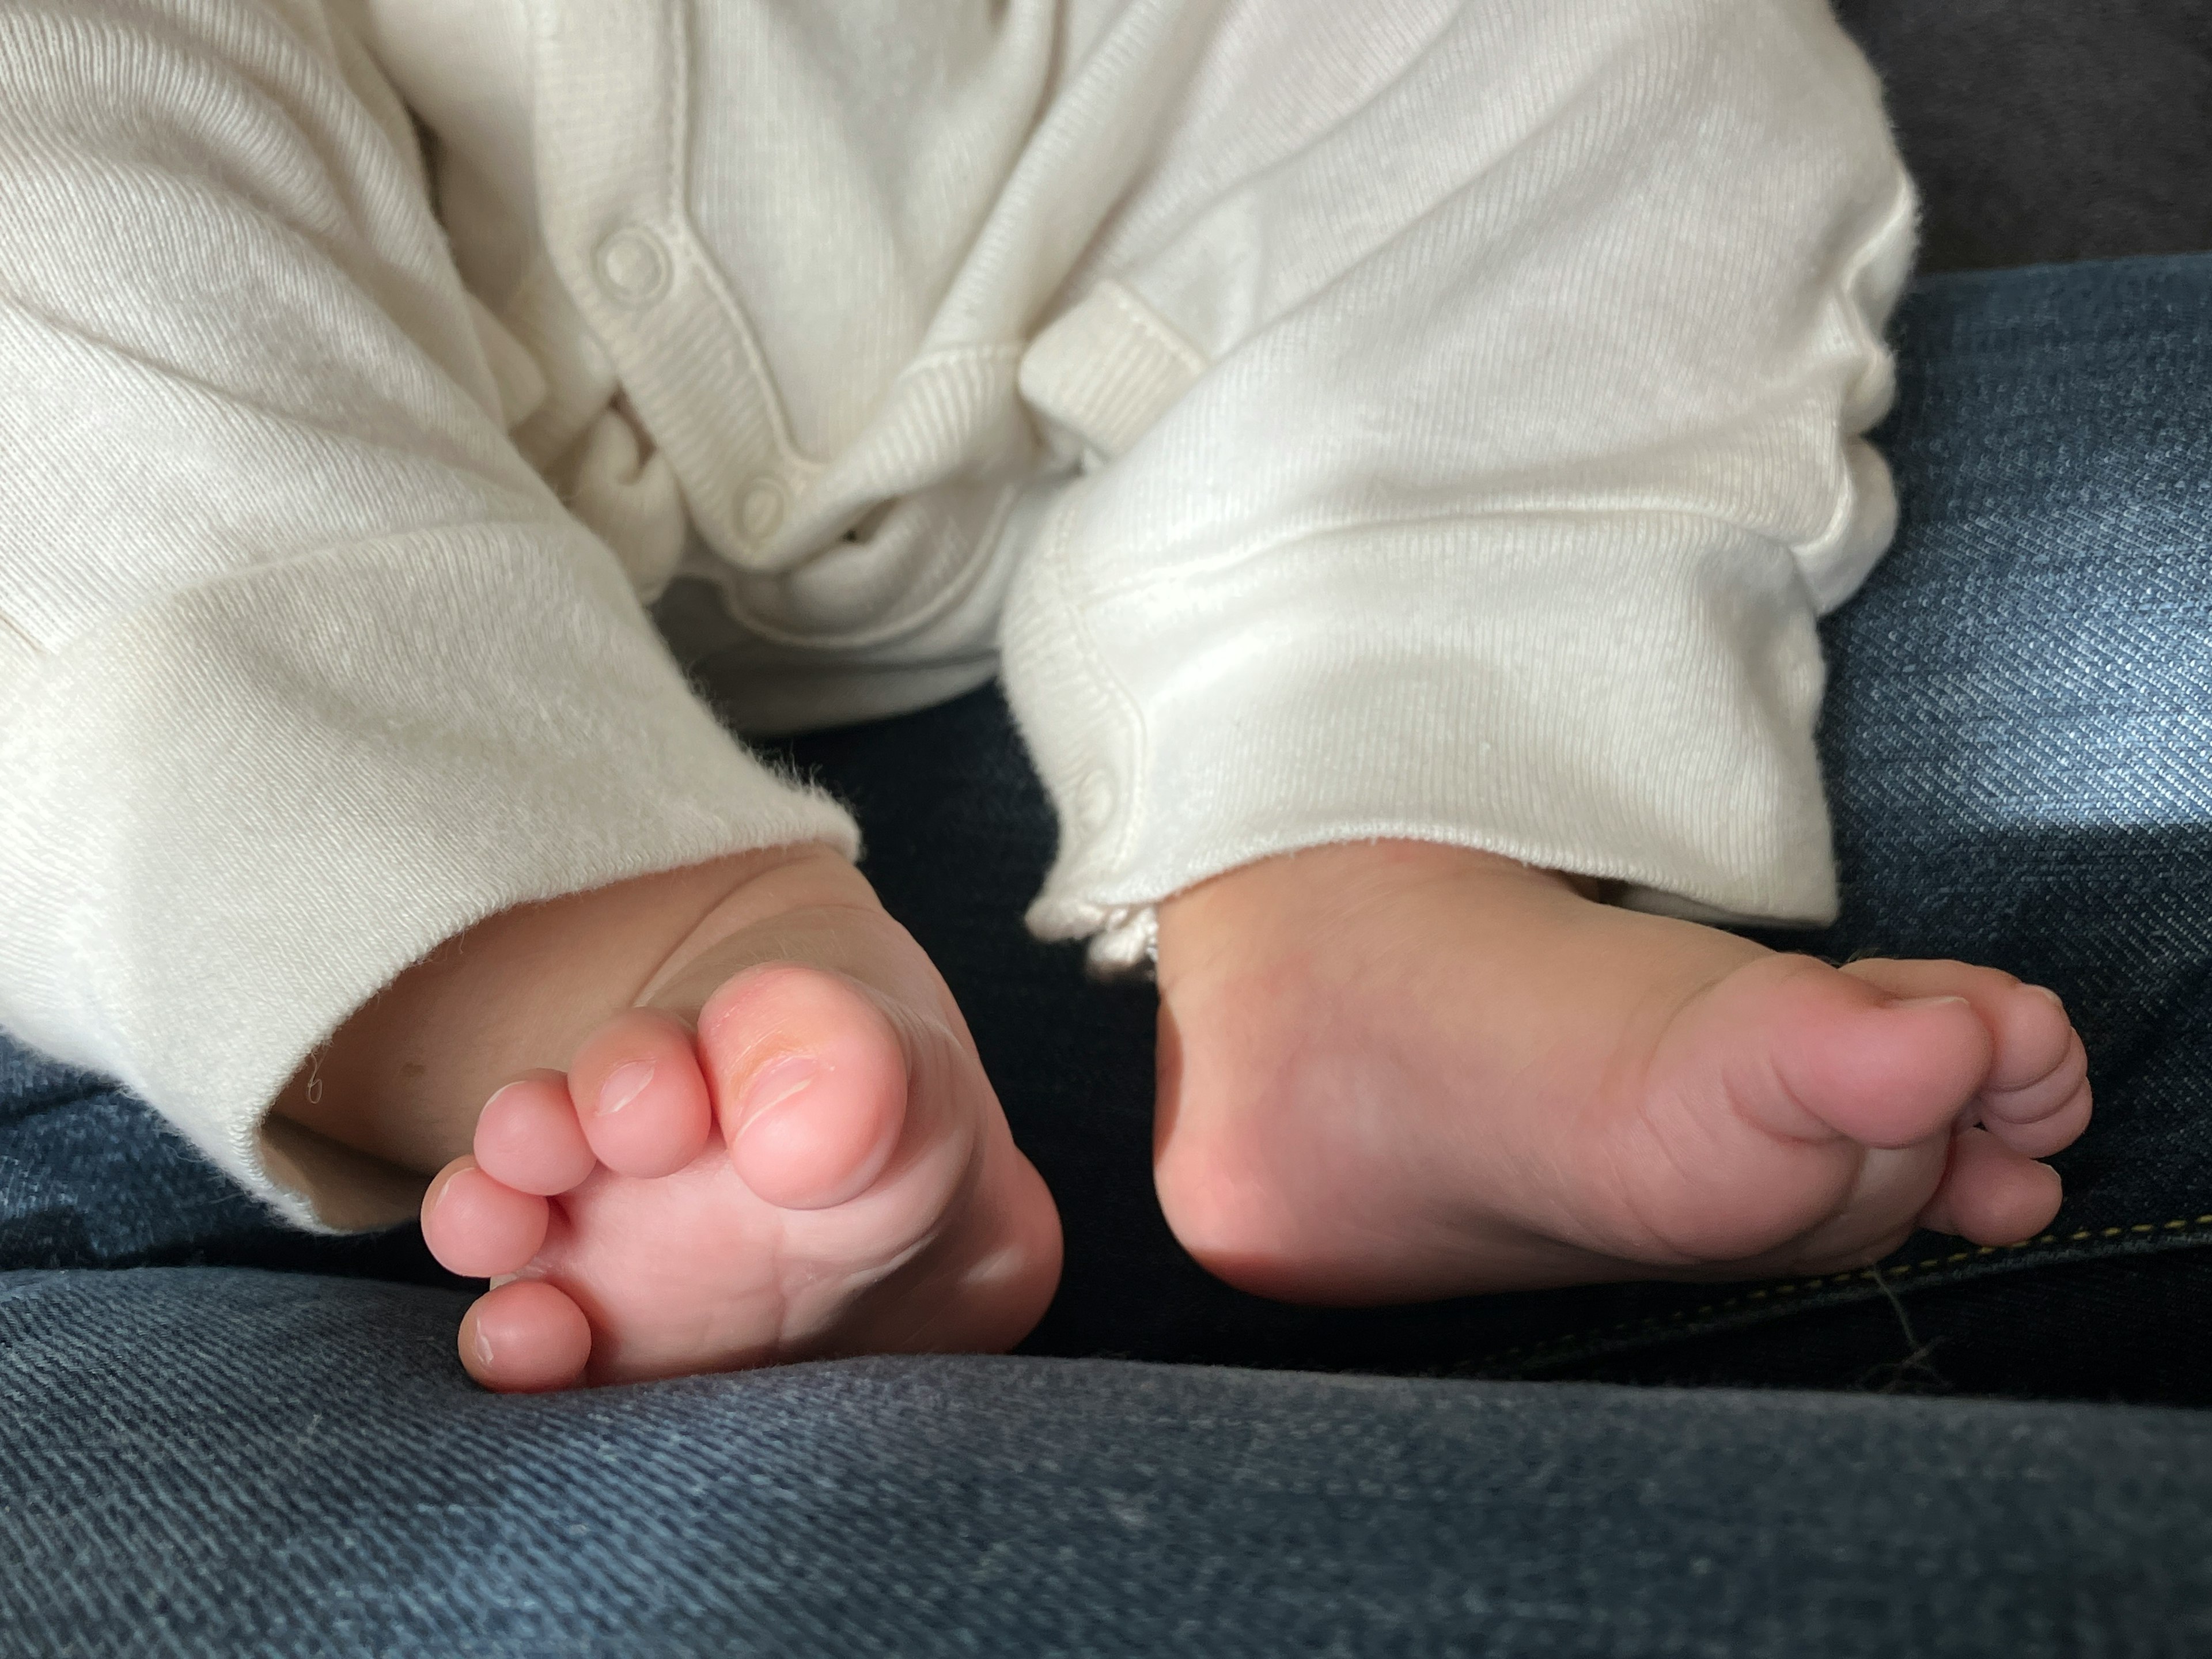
x=1875, y=1277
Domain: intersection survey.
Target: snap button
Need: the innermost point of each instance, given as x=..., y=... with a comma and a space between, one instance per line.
x=760, y=509
x=1094, y=799
x=633, y=266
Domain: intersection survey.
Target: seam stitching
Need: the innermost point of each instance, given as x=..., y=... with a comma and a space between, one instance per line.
x=1873, y=1275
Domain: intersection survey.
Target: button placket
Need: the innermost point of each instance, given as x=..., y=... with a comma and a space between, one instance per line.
x=681, y=346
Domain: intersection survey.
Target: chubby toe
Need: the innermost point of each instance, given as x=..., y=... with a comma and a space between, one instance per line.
x=811, y=1081
x=527, y=1136
x=478, y=1227
x=2045, y=1113
x=1991, y=1194
x=2035, y=1098
x=638, y=1094
x=525, y=1337
x=2034, y=1038
x=1846, y=1059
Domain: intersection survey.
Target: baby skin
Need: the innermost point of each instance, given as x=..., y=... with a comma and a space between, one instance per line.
x=729, y=1116
x=1395, y=1071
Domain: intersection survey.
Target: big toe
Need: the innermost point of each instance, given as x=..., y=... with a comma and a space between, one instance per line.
x=1837, y=1056
x=2036, y=1099
x=810, y=1079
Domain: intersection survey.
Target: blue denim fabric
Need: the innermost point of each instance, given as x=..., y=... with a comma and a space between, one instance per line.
x=202, y=1457
x=226, y=1462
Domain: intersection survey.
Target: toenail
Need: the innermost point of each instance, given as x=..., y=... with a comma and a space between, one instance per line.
x=998, y=1265
x=623, y=1084
x=773, y=1084
x=1925, y=1002
x=2051, y=996
x=483, y=1346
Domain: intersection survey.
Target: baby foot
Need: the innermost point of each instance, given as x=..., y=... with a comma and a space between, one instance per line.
x=812, y=1164
x=1395, y=1071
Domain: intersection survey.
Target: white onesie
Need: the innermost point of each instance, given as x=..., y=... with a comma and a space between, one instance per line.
x=1431, y=418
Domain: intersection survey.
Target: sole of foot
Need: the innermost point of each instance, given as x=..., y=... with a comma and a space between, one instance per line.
x=810, y=1167
x=1441, y=1073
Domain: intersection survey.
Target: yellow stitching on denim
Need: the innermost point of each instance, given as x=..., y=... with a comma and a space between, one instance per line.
x=1791, y=1288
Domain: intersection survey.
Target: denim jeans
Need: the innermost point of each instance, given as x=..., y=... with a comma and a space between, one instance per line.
x=216, y=1437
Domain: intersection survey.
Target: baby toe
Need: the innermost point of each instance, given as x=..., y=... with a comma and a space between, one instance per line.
x=478, y=1227
x=1991, y=1194
x=2034, y=1038
x=525, y=1337
x=528, y=1136
x=810, y=1080
x=638, y=1095
x=2036, y=1083
x=2044, y=1118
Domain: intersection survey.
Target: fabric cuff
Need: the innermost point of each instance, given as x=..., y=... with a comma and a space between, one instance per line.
x=1630, y=697
x=234, y=816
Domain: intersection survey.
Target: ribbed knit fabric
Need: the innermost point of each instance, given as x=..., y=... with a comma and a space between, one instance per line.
x=1422, y=418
